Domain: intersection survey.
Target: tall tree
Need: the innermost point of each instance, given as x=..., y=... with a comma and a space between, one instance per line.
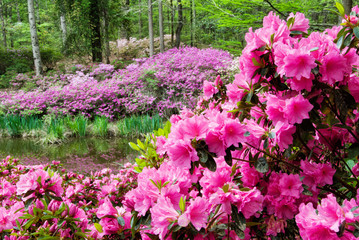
x=180, y=24
x=3, y=26
x=63, y=22
x=150, y=27
x=34, y=38
x=140, y=19
x=105, y=25
x=96, y=46
x=172, y=22
x=348, y=4
x=18, y=10
x=160, y=19
x=193, y=23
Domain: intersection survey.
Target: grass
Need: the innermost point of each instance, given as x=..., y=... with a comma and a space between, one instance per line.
x=16, y=126
x=52, y=129
x=77, y=125
x=100, y=127
x=137, y=125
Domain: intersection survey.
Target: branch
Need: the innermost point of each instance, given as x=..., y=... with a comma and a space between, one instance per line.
x=271, y=5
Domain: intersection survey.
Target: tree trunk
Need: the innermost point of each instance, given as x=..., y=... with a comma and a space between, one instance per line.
x=105, y=22
x=37, y=11
x=193, y=24
x=18, y=11
x=96, y=46
x=34, y=39
x=172, y=23
x=179, y=25
x=150, y=26
x=140, y=20
x=63, y=24
x=160, y=19
x=126, y=22
x=348, y=6
x=3, y=26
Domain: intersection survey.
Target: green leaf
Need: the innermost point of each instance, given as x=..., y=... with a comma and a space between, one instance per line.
x=246, y=134
x=134, y=146
x=356, y=32
x=182, y=204
x=140, y=144
x=239, y=222
x=340, y=42
x=225, y=188
x=271, y=135
x=340, y=9
x=202, y=155
x=261, y=165
x=98, y=227
x=81, y=234
x=348, y=40
x=48, y=238
x=29, y=202
x=228, y=157
x=211, y=164
x=353, y=150
x=121, y=221
x=254, y=61
x=290, y=22
x=265, y=144
x=313, y=49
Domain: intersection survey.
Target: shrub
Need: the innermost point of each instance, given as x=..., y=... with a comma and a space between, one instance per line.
x=165, y=83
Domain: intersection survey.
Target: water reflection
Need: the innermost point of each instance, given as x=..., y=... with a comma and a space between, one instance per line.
x=80, y=154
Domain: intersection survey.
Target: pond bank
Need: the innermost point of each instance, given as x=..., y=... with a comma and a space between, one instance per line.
x=76, y=154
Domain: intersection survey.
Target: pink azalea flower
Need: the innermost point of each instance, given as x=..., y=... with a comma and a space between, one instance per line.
x=298, y=63
x=249, y=202
x=216, y=143
x=106, y=208
x=196, y=213
x=299, y=84
x=284, y=134
x=6, y=188
x=208, y=89
x=300, y=22
x=331, y=212
x=290, y=185
x=297, y=109
x=276, y=108
x=233, y=132
x=182, y=154
x=163, y=214
x=333, y=68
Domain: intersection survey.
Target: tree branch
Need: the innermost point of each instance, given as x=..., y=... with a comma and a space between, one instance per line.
x=271, y=5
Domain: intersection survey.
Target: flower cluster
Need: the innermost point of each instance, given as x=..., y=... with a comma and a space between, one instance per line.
x=164, y=83
x=53, y=202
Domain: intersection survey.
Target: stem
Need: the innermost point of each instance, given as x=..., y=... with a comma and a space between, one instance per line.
x=228, y=228
x=273, y=157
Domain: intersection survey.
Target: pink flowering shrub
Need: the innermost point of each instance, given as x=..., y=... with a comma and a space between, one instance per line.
x=272, y=155
x=164, y=83
x=53, y=202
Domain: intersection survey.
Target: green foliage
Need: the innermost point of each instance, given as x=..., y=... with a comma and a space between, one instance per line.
x=77, y=125
x=100, y=126
x=147, y=148
x=137, y=125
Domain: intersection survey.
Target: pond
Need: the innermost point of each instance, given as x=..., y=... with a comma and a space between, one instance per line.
x=77, y=154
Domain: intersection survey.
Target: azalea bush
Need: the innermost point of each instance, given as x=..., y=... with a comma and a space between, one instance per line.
x=164, y=83
x=272, y=155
